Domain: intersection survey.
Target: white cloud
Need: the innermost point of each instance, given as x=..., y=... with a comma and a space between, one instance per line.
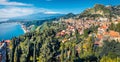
x=51, y=12
x=10, y=12
x=15, y=11
x=6, y=2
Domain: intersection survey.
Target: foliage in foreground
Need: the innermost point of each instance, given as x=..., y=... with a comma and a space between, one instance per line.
x=44, y=46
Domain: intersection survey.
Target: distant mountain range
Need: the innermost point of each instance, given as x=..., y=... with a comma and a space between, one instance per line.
x=97, y=11
x=69, y=15
x=37, y=16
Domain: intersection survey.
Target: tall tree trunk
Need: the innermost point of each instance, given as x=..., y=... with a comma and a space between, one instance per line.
x=34, y=53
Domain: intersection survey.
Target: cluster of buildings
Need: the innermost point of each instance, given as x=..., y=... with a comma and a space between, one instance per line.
x=103, y=32
x=80, y=25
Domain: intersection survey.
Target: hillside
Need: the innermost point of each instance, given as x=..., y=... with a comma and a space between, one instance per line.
x=116, y=10
x=101, y=11
x=71, y=39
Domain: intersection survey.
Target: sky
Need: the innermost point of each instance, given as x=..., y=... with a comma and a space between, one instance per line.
x=15, y=8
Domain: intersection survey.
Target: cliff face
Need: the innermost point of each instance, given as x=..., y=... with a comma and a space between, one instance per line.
x=101, y=11
x=97, y=9
x=116, y=10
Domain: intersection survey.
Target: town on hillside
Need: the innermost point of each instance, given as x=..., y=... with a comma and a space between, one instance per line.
x=91, y=36
x=101, y=34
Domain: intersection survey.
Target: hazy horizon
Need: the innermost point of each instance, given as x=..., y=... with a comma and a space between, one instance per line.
x=15, y=8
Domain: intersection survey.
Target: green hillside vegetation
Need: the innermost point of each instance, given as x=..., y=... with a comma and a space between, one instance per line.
x=101, y=11
x=43, y=45
x=98, y=9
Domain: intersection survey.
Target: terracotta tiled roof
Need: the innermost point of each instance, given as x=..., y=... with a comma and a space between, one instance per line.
x=105, y=33
x=99, y=36
x=8, y=41
x=114, y=34
x=104, y=27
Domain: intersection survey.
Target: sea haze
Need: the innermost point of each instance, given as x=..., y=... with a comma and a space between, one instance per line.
x=36, y=16
x=10, y=30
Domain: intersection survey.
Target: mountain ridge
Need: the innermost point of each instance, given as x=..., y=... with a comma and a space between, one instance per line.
x=37, y=16
x=100, y=10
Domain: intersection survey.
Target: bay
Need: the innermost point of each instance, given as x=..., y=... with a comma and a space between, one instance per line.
x=10, y=30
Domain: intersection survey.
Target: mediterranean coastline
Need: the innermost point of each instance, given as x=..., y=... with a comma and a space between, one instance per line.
x=10, y=30
x=24, y=28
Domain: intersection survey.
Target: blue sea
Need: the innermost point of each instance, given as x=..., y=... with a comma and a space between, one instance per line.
x=10, y=30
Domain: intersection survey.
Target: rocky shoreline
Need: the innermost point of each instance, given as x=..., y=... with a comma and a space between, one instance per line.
x=24, y=28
